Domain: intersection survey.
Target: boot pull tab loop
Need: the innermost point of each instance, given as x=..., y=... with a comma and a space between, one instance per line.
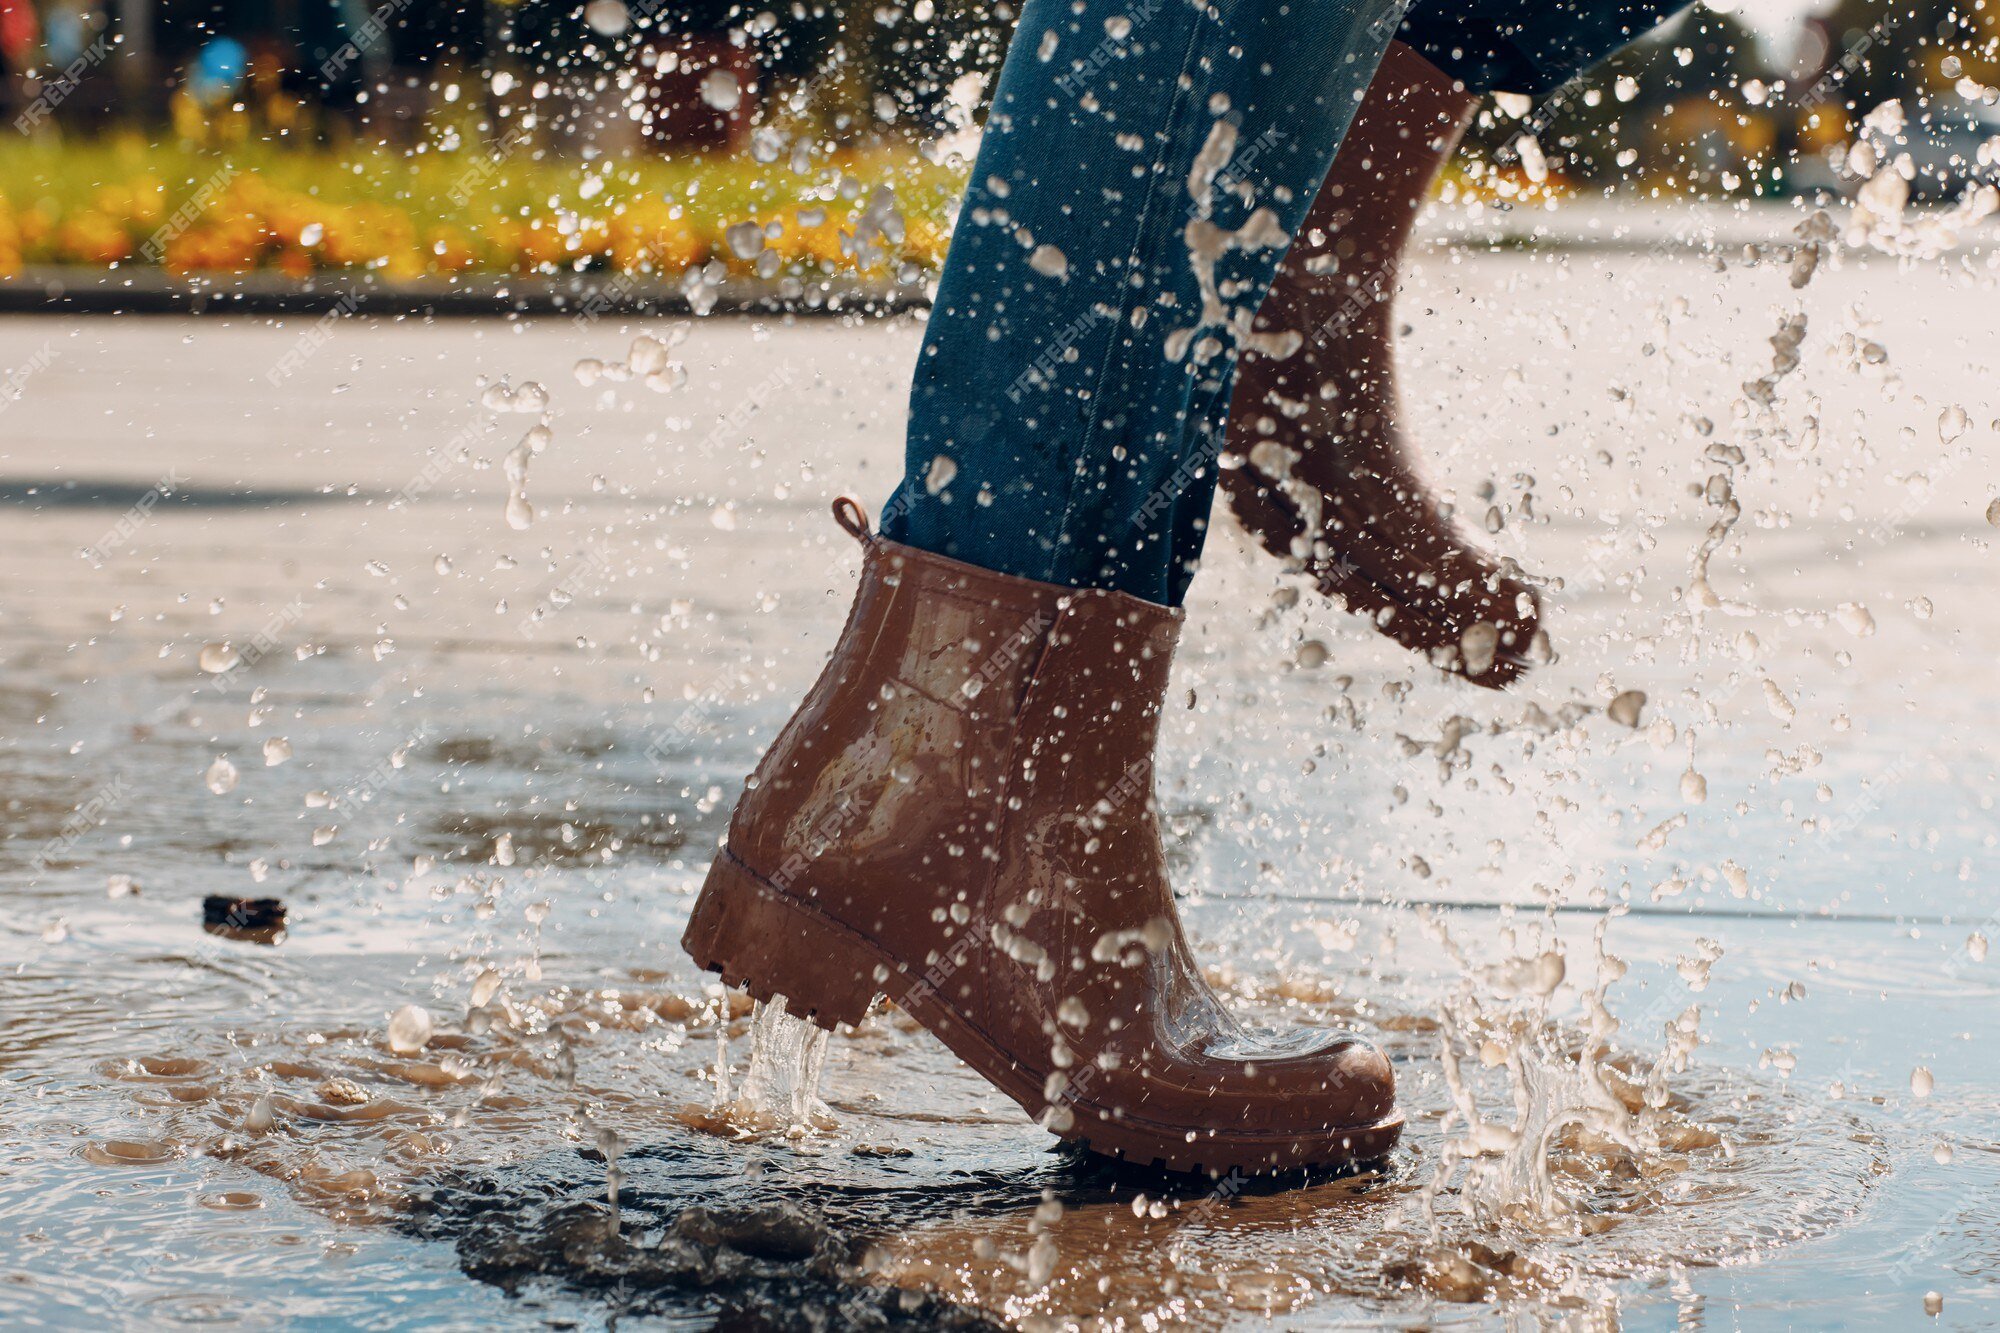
x=848, y=513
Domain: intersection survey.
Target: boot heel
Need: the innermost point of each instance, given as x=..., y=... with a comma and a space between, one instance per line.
x=771, y=944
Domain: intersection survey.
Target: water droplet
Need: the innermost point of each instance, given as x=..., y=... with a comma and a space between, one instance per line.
x=1855, y=619
x=221, y=776
x=219, y=657
x=647, y=355
x=745, y=239
x=1952, y=423
x=720, y=90
x=409, y=1029
x=1922, y=1084
x=607, y=18
x=1042, y=1256
x=1627, y=708
x=276, y=751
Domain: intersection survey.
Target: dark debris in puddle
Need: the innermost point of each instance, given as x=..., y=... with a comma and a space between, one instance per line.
x=760, y=1238
x=696, y=1236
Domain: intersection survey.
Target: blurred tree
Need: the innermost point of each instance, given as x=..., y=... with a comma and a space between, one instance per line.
x=868, y=69
x=1671, y=109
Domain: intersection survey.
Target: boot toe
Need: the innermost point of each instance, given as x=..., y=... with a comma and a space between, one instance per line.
x=1306, y=1082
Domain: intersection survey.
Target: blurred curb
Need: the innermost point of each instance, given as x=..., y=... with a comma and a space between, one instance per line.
x=584, y=297
x=1692, y=230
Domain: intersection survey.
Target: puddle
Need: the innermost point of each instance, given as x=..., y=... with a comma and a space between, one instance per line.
x=500, y=784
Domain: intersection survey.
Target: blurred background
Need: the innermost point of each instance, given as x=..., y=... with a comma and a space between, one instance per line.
x=427, y=141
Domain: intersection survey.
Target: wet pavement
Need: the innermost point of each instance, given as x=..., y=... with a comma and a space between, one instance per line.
x=483, y=767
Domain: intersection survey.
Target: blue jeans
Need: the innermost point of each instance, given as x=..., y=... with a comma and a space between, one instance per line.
x=1144, y=166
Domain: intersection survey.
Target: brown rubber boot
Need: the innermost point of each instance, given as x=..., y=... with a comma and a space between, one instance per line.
x=1324, y=474
x=960, y=816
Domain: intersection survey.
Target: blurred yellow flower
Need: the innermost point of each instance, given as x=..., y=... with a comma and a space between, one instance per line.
x=198, y=207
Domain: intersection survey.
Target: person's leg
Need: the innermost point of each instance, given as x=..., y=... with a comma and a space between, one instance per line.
x=961, y=813
x=1317, y=469
x=1321, y=472
x=1144, y=167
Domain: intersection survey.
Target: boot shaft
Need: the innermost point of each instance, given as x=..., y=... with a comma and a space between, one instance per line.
x=952, y=691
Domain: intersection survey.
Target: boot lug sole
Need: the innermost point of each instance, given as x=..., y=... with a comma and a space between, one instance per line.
x=770, y=943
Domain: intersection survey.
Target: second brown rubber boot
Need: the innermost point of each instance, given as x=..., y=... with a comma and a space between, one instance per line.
x=1322, y=472
x=960, y=817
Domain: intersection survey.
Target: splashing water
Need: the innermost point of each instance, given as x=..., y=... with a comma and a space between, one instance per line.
x=1543, y=1129
x=521, y=513
x=1579, y=1118
x=778, y=1092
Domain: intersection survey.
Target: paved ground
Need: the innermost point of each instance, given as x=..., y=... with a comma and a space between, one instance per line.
x=328, y=499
